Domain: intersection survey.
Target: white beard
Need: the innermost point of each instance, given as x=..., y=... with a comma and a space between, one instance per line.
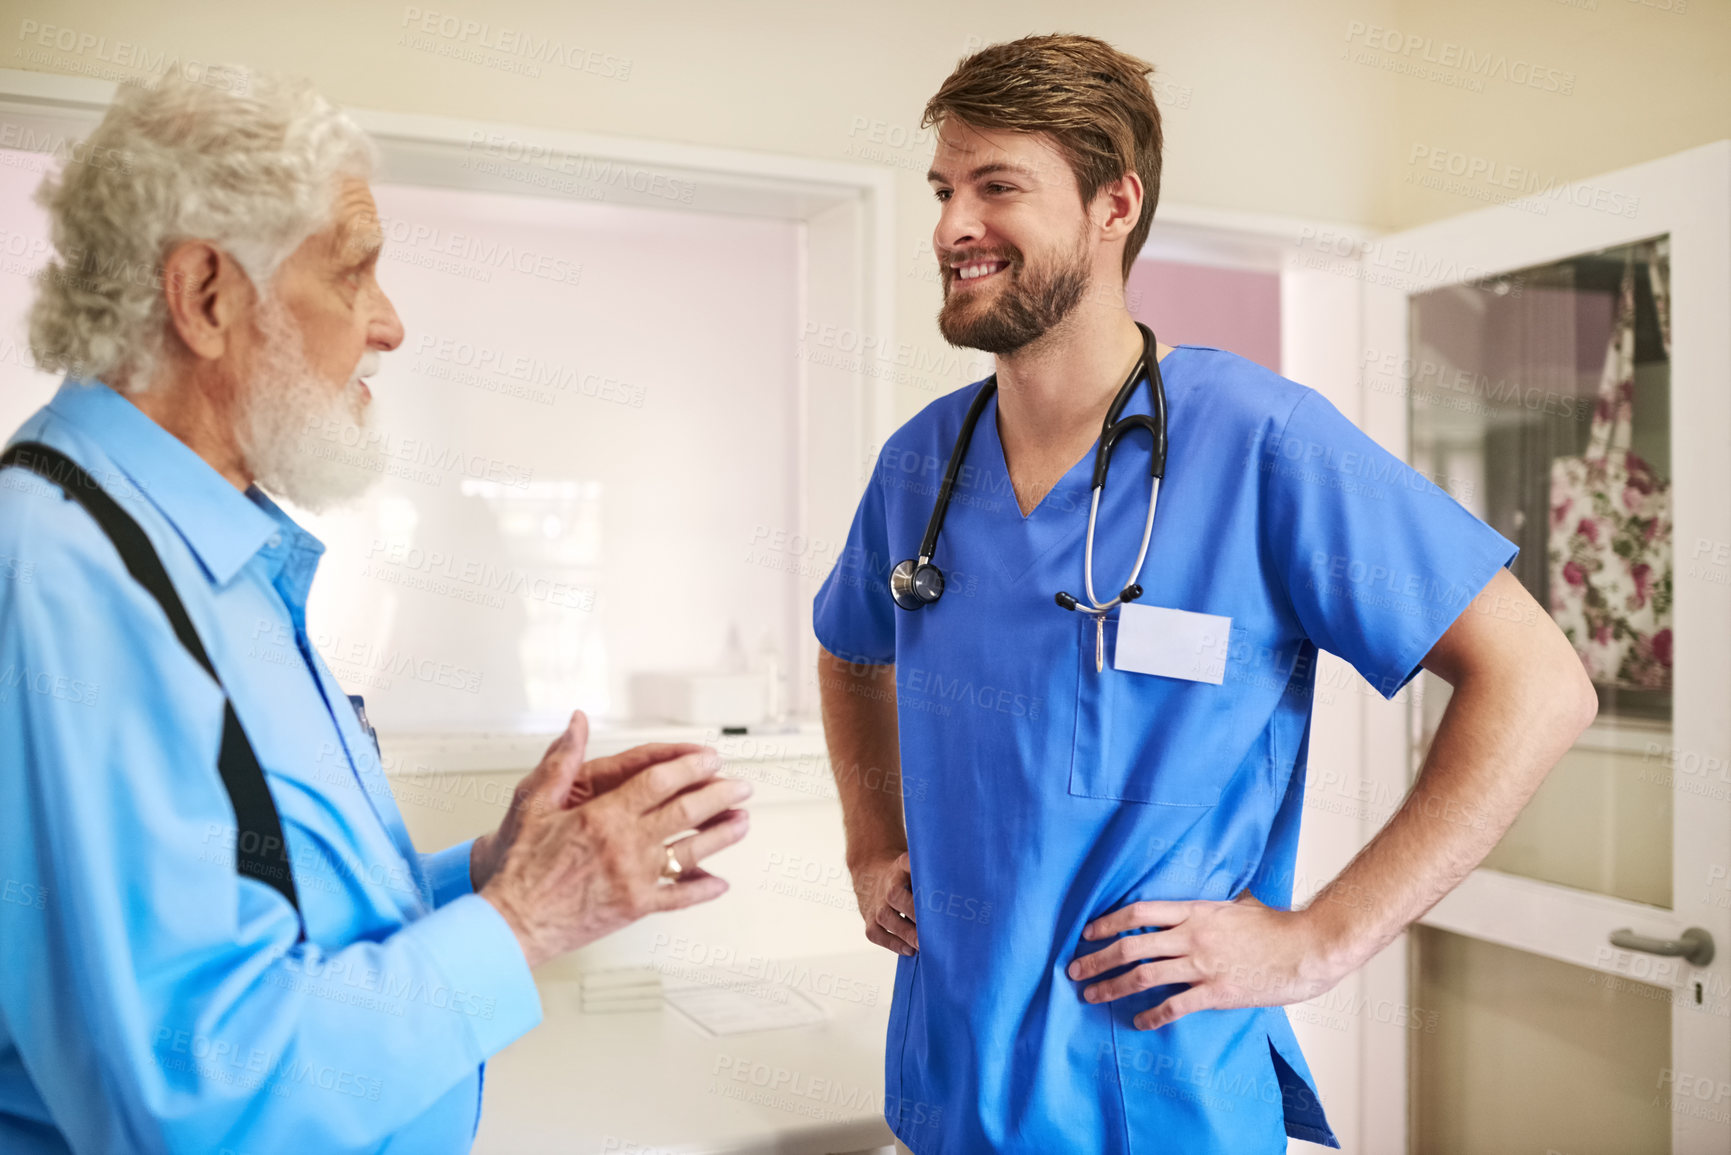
x=300, y=440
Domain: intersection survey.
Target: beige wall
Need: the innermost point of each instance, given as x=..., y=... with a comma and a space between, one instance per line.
x=799, y=77
x=1271, y=106
x=1649, y=78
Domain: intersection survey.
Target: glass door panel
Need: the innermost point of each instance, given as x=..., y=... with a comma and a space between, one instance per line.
x=1541, y=400
x=1525, y=1054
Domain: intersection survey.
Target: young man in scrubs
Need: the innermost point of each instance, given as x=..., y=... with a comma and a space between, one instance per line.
x=1088, y=870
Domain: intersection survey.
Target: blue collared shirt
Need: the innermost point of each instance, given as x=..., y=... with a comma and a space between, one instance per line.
x=151, y=998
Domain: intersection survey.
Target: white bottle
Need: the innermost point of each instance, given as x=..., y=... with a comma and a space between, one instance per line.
x=774, y=681
x=733, y=653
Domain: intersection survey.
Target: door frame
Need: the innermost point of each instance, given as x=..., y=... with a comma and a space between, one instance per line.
x=1688, y=197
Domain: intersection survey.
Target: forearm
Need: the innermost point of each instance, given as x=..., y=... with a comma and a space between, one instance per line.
x=340, y=1049
x=859, y=722
x=1500, y=735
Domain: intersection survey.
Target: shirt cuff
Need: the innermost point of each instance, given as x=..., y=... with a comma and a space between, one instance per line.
x=447, y=873
x=471, y=942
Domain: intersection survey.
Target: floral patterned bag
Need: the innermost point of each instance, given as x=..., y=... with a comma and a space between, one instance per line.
x=1610, y=533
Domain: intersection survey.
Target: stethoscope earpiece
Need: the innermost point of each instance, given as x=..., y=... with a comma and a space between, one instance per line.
x=1070, y=602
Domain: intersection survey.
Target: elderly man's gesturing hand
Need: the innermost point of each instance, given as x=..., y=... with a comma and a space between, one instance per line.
x=594, y=778
x=582, y=851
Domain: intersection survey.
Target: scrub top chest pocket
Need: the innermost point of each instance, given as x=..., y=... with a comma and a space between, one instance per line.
x=1148, y=737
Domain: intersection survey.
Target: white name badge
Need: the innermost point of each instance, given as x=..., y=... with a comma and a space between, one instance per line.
x=1172, y=643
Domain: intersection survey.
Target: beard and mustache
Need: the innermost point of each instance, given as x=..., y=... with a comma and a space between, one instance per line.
x=1034, y=299
x=302, y=441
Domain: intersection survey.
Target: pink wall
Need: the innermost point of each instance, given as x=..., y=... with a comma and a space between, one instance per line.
x=1231, y=309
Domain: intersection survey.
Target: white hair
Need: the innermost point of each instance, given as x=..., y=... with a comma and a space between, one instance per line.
x=253, y=172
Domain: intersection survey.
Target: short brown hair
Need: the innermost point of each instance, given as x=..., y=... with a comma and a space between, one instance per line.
x=1091, y=99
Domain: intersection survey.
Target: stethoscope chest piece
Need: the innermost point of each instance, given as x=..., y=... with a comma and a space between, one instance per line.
x=916, y=583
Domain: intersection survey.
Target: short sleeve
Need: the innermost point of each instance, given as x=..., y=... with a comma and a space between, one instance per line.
x=1377, y=560
x=853, y=616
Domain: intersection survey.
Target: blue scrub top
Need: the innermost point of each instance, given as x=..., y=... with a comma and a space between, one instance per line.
x=1040, y=794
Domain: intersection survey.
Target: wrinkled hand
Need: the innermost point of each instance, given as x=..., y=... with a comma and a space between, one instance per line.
x=1232, y=954
x=599, y=775
x=594, y=778
x=884, y=888
x=567, y=876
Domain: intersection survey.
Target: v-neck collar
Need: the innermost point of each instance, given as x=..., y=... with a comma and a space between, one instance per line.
x=1061, y=515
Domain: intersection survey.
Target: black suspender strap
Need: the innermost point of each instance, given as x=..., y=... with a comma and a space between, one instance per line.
x=260, y=852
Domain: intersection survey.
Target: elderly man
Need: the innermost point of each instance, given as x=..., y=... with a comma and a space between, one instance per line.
x=215, y=938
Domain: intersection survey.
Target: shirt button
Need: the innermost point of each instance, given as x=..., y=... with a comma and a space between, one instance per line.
x=275, y=540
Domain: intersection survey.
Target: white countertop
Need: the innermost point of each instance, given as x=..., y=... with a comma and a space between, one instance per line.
x=654, y=1083
x=409, y=753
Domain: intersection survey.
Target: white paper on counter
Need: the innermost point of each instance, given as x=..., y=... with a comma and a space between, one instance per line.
x=740, y=1008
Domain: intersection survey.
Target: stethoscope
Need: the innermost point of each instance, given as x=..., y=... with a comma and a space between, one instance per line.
x=917, y=583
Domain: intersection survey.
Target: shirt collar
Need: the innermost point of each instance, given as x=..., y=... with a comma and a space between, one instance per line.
x=223, y=526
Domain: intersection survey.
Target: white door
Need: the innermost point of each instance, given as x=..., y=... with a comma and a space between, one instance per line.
x=1486, y=336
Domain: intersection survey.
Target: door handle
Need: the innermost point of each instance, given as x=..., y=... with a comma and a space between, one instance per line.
x=1695, y=946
